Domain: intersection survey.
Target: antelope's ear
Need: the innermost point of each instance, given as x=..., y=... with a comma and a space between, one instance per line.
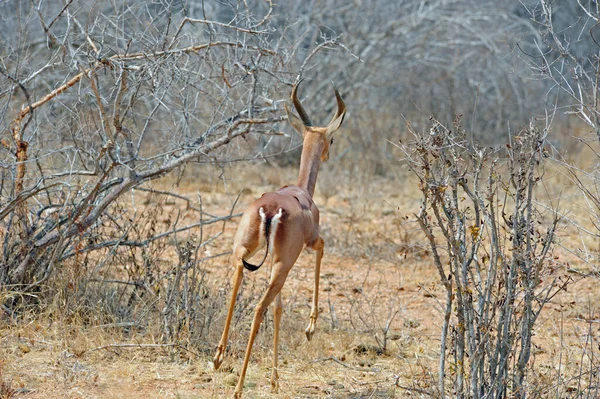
x=335, y=125
x=338, y=118
x=295, y=121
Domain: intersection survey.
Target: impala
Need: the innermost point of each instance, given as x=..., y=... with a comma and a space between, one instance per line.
x=285, y=222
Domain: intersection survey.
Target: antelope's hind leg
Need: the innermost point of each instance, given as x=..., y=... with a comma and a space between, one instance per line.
x=278, y=276
x=277, y=319
x=237, y=281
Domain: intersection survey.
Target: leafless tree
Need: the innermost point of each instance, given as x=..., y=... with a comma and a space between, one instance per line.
x=420, y=58
x=567, y=59
x=98, y=99
x=492, y=244
x=440, y=58
x=565, y=56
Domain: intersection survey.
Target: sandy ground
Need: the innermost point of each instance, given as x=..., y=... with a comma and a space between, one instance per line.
x=376, y=271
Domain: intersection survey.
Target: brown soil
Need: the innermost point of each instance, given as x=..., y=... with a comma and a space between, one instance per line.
x=376, y=265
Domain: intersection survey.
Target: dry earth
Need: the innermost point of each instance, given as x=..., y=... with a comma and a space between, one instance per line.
x=375, y=270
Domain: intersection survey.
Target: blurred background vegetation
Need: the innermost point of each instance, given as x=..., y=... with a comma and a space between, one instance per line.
x=99, y=99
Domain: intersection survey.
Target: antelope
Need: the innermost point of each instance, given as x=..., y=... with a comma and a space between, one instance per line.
x=285, y=222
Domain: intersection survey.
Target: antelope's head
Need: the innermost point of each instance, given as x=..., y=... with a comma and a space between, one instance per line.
x=315, y=136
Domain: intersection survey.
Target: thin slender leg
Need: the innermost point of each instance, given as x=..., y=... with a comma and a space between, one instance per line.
x=277, y=316
x=237, y=280
x=314, y=313
x=278, y=277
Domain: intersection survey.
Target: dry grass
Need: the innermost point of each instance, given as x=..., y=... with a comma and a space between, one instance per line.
x=376, y=270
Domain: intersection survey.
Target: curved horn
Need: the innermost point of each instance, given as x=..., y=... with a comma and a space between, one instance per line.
x=341, y=106
x=299, y=108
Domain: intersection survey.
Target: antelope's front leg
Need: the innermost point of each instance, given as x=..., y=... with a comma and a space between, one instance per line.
x=314, y=313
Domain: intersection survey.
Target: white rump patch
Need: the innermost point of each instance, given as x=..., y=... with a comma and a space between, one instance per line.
x=274, y=222
x=261, y=229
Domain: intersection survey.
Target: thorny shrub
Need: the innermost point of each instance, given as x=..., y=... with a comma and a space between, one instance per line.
x=492, y=244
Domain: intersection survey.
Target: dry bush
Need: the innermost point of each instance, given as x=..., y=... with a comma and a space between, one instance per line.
x=160, y=279
x=566, y=58
x=91, y=111
x=492, y=243
x=6, y=389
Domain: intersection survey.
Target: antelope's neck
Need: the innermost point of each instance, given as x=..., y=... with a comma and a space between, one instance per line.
x=310, y=161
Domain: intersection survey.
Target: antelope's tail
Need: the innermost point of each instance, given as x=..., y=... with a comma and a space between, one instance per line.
x=269, y=228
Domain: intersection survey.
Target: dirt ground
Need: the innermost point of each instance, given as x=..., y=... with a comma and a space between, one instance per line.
x=376, y=271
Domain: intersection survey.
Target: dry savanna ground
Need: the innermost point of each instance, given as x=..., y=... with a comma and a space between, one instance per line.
x=377, y=283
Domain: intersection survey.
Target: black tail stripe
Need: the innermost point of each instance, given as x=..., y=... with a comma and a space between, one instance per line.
x=250, y=266
x=267, y=230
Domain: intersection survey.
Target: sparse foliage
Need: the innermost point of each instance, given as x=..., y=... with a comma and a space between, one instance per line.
x=568, y=60
x=100, y=100
x=492, y=245
x=107, y=106
x=6, y=389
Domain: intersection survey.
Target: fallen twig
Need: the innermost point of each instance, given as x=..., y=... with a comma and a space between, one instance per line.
x=338, y=361
x=411, y=389
x=142, y=346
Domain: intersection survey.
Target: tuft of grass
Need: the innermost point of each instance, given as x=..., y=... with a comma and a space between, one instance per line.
x=105, y=336
x=6, y=389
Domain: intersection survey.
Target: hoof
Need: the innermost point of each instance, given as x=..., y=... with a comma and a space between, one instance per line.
x=309, y=333
x=274, y=382
x=218, y=359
